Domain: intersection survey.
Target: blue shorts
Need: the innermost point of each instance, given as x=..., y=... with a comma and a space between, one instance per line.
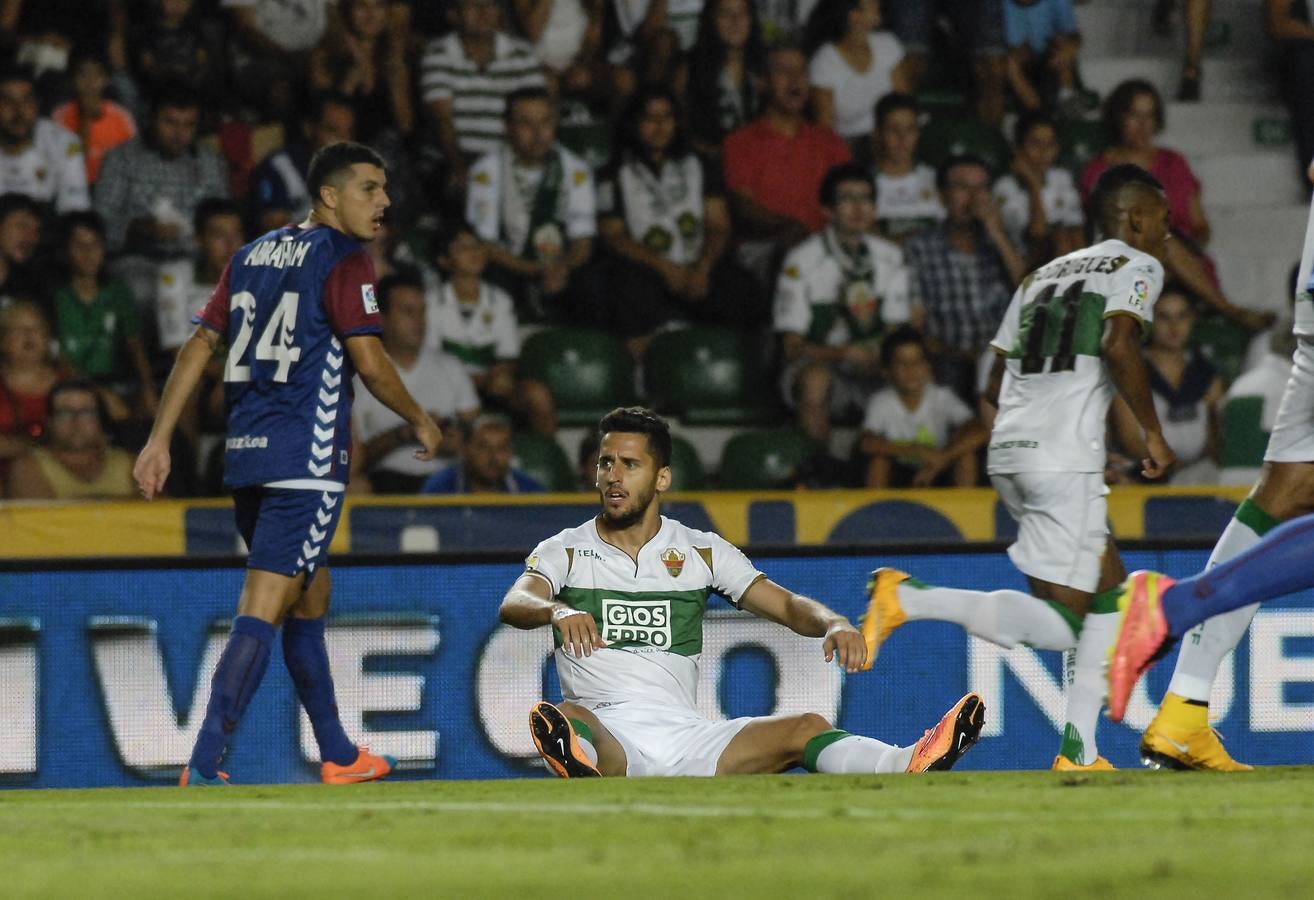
x=1038, y=24
x=979, y=24
x=286, y=530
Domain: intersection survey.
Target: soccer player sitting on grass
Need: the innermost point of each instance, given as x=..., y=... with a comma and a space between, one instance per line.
x=298, y=312
x=630, y=690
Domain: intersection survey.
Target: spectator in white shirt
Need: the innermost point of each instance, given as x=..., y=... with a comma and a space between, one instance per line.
x=1038, y=201
x=37, y=157
x=852, y=65
x=917, y=433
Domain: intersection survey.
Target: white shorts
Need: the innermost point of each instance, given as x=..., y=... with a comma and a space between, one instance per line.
x=1062, y=525
x=668, y=740
x=1292, y=439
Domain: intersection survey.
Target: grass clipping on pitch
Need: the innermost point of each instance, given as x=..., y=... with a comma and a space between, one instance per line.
x=1022, y=834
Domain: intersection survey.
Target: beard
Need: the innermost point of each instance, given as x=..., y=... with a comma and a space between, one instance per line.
x=635, y=515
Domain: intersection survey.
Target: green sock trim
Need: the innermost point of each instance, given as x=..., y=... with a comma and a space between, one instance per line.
x=915, y=583
x=1250, y=515
x=582, y=729
x=1106, y=601
x=1073, y=747
x=814, y=747
x=1073, y=620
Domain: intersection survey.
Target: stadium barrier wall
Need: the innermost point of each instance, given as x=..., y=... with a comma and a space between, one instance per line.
x=104, y=671
x=515, y=524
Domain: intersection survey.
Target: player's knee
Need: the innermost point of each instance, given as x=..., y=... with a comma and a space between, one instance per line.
x=571, y=711
x=809, y=725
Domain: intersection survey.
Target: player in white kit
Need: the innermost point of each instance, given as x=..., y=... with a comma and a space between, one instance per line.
x=625, y=594
x=1070, y=338
x=1180, y=736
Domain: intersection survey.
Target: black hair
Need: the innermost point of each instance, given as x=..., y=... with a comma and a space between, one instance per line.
x=899, y=337
x=639, y=420
x=174, y=95
x=450, y=231
x=80, y=384
x=329, y=163
x=320, y=101
x=827, y=23
x=837, y=175
x=1029, y=121
x=627, y=128
x=959, y=159
x=402, y=278
x=893, y=102
x=210, y=207
x=1109, y=188
x=520, y=95
x=14, y=72
x=707, y=57
x=1119, y=103
x=13, y=201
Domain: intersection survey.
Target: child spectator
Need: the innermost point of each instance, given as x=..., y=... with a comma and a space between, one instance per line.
x=1187, y=390
x=99, y=122
x=96, y=320
x=909, y=201
x=664, y=221
x=27, y=373
x=1043, y=42
x=1038, y=200
x=475, y=322
x=724, y=74
x=853, y=65
x=838, y=293
x=917, y=433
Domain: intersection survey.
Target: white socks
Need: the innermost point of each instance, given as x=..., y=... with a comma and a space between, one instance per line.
x=1086, y=686
x=854, y=754
x=1204, y=646
x=1003, y=617
x=587, y=746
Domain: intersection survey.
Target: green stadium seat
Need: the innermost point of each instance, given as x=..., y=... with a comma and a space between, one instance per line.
x=765, y=460
x=946, y=137
x=944, y=102
x=1081, y=141
x=1223, y=342
x=541, y=458
x=686, y=468
x=1244, y=438
x=709, y=376
x=588, y=372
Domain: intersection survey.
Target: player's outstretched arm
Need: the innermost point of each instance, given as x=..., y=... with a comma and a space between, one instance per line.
x=805, y=616
x=380, y=377
x=529, y=604
x=1121, y=349
x=153, y=463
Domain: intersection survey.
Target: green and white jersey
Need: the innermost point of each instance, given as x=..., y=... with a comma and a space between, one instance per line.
x=649, y=614
x=1056, y=391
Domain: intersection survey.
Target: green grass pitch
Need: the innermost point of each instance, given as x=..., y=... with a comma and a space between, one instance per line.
x=1014, y=834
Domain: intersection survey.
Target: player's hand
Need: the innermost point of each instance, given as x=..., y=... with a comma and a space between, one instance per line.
x=430, y=436
x=151, y=469
x=845, y=642
x=1160, y=456
x=579, y=633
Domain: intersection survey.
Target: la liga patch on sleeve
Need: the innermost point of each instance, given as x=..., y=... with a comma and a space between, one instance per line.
x=368, y=299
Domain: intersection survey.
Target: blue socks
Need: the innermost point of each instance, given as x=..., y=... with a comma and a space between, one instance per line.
x=236, y=678
x=1276, y=566
x=307, y=661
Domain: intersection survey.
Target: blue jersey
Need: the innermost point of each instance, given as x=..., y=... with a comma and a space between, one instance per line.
x=285, y=304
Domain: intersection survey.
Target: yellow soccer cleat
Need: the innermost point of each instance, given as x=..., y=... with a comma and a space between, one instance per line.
x=1063, y=764
x=1180, y=738
x=884, y=614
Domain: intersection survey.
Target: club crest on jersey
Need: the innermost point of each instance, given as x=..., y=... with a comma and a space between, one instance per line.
x=673, y=560
x=369, y=299
x=1140, y=293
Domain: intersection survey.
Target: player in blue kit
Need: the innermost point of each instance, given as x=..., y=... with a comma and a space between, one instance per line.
x=297, y=311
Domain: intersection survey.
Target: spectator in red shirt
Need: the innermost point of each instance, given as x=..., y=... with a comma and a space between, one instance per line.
x=775, y=164
x=27, y=373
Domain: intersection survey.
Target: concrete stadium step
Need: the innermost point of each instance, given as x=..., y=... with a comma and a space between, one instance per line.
x=1236, y=29
x=1248, y=180
x=1220, y=127
x=1255, y=250
x=1247, y=79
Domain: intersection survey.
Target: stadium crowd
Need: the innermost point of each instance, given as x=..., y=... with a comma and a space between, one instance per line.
x=827, y=180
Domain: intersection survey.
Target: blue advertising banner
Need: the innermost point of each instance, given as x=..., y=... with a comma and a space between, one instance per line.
x=104, y=673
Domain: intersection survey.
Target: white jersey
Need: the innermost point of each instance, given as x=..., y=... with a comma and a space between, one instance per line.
x=649, y=614
x=49, y=170
x=1056, y=391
